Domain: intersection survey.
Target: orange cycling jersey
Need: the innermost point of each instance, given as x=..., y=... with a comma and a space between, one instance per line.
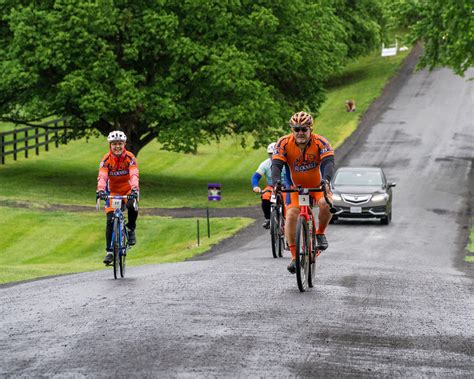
x=118, y=175
x=303, y=166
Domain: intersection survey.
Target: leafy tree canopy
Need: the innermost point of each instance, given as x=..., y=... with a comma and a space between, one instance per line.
x=180, y=71
x=364, y=22
x=444, y=26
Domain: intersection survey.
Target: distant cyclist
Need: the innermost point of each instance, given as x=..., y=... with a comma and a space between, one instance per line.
x=265, y=170
x=118, y=176
x=309, y=159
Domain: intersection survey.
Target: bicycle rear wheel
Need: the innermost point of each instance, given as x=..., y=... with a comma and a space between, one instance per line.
x=116, y=248
x=281, y=231
x=281, y=225
x=302, y=254
x=274, y=232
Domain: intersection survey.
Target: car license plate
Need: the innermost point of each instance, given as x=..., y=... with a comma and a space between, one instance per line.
x=356, y=209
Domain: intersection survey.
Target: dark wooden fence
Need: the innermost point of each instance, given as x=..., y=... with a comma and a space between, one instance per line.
x=29, y=138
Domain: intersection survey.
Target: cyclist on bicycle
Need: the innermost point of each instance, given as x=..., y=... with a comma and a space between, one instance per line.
x=309, y=159
x=118, y=176
x=265, y=169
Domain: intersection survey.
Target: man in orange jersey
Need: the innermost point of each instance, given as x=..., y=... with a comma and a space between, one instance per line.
x=309, y=159
x=118, y=176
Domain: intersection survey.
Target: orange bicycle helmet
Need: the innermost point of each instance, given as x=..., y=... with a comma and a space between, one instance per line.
x=301, y=119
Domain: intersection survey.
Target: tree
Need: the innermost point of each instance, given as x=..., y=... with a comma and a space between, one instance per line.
x=182, y=72
x=364, y=22
x=445, y=27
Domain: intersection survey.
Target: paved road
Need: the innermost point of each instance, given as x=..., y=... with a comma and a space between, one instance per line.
x=389, y=300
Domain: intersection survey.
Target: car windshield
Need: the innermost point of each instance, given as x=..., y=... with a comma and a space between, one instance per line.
x=358, y=178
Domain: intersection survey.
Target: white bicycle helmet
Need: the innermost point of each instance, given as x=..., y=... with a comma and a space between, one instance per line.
x=117, y=135
x=271, y=148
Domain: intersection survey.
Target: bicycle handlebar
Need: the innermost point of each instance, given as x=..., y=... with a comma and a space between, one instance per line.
x=308, y=190
x=128, y=197
x=123, y=197
x=303, y=190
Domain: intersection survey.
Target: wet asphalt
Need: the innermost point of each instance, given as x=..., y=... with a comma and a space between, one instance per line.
x=389, y=301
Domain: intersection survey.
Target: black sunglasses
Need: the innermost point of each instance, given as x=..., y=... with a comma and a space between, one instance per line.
x=298, y=129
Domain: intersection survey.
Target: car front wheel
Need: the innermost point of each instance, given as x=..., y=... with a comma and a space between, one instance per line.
x=386, y=219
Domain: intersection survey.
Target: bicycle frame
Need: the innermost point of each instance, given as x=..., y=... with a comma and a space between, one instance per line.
x=307, y=213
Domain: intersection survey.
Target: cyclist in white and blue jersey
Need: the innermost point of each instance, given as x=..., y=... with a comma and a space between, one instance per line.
x=265, y=170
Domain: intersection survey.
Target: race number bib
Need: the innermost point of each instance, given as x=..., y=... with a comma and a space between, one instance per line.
x=303, y=199
x=116, y=203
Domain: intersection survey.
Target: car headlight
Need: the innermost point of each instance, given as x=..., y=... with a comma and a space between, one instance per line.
x=380, y=197
x=336, y=197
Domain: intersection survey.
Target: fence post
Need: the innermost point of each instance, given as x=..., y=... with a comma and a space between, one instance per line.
x=2, y=142
x=26, y=143
x=208, y=224
x=56, y=142
x=46, y=139
x=36, y=141
x=14, y=146
x=64, y=134
x=198, y=230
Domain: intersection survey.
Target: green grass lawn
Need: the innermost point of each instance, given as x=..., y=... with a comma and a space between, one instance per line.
x=68, y=174
x=362, y=81
x=7, y=126
x=49, y=243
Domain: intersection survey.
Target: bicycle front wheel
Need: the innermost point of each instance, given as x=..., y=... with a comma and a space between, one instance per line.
x=274, y=232
x=123, y=254
x=314, y=253
x=302, y=254
x=116, y=248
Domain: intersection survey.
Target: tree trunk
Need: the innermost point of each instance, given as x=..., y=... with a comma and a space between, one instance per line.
x=134, y=144
x=138, y=135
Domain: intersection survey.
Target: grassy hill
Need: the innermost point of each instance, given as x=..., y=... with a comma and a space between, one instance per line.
x=68, y=174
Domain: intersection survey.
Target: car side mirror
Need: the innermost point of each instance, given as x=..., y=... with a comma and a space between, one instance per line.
x=390, y=185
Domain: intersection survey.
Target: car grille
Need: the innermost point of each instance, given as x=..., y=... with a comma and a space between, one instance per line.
x=366, y=212
x=356, y=199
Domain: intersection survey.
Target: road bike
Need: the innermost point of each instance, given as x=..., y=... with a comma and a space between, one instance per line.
x=277, y=224
x=119, y=242
x=307, y=249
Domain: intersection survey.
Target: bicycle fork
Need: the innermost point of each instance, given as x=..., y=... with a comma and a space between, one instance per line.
x=121, y=227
